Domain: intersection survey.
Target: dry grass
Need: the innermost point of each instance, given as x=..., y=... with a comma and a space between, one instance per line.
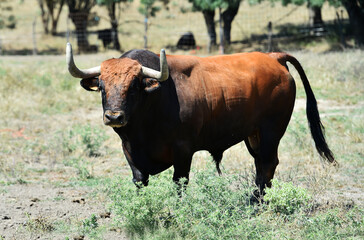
x=39, y=108
x=41, y=104
x=165, y=29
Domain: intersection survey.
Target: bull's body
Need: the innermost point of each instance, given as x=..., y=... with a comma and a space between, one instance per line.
x=208, y=104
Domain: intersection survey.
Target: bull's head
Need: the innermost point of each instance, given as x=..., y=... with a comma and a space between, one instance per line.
x=120, y=82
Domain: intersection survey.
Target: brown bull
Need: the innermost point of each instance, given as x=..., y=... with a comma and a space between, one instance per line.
x=166, y=108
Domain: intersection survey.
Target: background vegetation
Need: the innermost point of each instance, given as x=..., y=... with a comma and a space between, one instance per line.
x=42, y=27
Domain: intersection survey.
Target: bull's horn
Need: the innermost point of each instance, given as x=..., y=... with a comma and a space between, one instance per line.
x=163, y=74
x=73, y=69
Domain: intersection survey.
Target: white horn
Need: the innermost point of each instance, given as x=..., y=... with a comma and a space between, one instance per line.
x=163, y=74
x=73, y=69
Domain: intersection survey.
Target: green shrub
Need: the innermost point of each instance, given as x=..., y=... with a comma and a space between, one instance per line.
x=81, y=165
x=286, y=198
x=208, y=205
x=90, y=227
x=87, y=138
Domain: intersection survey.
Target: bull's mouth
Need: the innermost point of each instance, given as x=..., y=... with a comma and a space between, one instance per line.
x=115, y=125
x=114, y=119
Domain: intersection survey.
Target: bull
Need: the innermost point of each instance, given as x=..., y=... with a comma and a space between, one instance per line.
x=165, y=108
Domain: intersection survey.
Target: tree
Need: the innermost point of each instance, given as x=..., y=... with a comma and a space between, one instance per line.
x=355, y=9
x=148, y=9
x=314, y=8
x=7, y=19
x=208, y=7
x=79, y=11
x=114, y=21
x=53, y=11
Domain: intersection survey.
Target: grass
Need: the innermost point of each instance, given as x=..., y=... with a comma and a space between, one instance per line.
x=166, y=28
x=214, y=207
x=51, y=132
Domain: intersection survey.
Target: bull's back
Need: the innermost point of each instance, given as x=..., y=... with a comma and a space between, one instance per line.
x=226, y=97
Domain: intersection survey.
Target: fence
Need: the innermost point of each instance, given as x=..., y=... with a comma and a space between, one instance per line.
x=254, y=27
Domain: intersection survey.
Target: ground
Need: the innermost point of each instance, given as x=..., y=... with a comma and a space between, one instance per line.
x=56, y=157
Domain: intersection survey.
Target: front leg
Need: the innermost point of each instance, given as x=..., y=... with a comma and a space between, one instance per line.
x=138, y=176
x=182, y=161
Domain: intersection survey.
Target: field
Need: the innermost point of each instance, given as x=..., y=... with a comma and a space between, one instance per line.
x=63, y=174
x=166, y=28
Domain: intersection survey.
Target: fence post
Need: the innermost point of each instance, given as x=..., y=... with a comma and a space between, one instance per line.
x=270, y=36
x=146, y=30
x=68, y=29
x=340, y=23
x=221, y=33
x=35, y=51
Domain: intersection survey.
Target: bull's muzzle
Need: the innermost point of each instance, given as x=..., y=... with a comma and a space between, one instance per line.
x=114, y=118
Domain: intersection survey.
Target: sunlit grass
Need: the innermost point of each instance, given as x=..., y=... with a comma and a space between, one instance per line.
x=41, y=108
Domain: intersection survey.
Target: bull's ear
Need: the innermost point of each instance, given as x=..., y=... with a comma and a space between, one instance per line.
x=151, y=84
x=90, y=84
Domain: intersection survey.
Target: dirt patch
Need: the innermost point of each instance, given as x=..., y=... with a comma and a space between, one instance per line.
x=38, y=211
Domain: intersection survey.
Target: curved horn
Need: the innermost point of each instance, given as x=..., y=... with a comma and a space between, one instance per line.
x=73, y=69
x=163, y=74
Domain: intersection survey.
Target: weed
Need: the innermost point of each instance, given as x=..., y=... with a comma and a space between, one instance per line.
x=211, y=203
x=90, y=227
x=286, y=198
x=85, y=137
x=213, y=207
x=39, y=224
x=90, y=223
x=81, y=165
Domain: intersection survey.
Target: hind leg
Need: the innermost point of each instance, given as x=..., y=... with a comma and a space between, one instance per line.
x=217, y=156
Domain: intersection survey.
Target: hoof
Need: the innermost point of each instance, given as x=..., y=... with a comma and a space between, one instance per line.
x=257, y=197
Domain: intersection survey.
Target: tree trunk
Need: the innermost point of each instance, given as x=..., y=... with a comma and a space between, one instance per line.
x=315, y=16
x=114, y=26
x=221, y=33
x=78, y=12
x=228, y=17
x=356, y=18
x=56, y=18
x=210, y=24
x=44, y=16
x=79, y=19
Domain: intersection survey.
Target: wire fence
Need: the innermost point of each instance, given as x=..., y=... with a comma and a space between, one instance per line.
x=262, y=25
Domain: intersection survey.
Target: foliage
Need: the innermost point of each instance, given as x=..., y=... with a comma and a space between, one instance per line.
x=200, y=5
x=7, y=20
x=89, y=224
x=78, y=141
x=86, y=137
x=214, y=207
x=147, y=8
x=202, y=211
x=285, y=198
x=81, y=165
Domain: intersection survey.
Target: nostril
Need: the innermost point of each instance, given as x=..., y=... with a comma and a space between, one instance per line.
x=108, y=116
x=120, y=118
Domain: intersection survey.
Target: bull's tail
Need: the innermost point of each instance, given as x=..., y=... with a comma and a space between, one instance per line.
x=316, y=127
